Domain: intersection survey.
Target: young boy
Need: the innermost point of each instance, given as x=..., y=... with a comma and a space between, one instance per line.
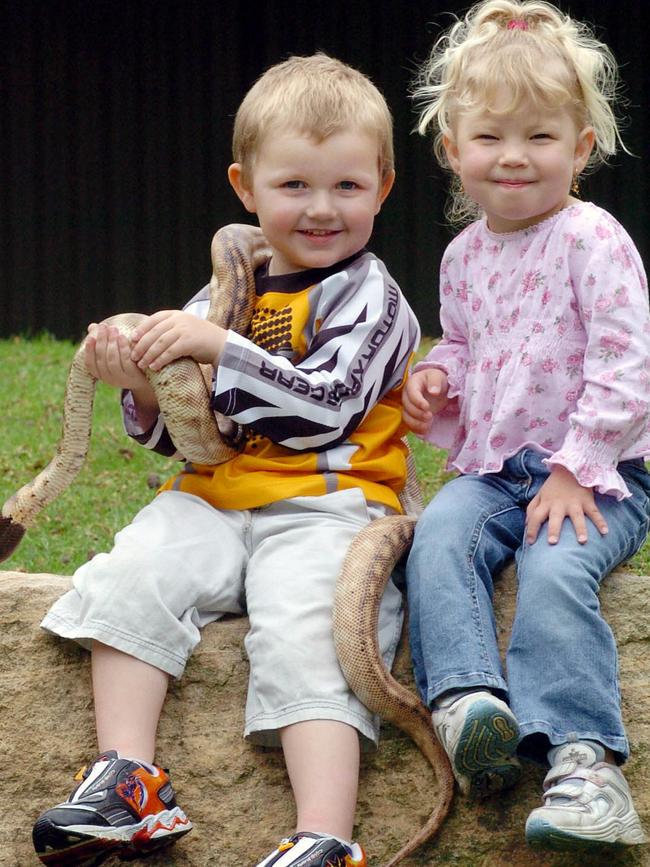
x=317, y=384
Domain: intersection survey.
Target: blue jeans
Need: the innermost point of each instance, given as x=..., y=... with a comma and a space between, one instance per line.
x=562, y=661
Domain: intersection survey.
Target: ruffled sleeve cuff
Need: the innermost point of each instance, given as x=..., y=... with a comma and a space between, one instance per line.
x=597, y=470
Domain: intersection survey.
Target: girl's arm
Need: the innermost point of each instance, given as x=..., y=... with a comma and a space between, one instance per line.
x=424, y=395
x=447, y=362
x=611, y=416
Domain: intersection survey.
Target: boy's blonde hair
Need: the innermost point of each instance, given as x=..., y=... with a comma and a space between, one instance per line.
x=316, y=96
x=537, y=53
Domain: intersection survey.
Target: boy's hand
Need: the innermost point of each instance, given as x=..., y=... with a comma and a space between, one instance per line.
x=108, y=358
x=424, y=395
x=171, y=334
x=562, y=496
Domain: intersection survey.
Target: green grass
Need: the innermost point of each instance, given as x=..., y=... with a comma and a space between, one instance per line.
x=117, y=478
x=111, y=487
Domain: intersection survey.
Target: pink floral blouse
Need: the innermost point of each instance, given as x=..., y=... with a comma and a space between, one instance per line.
x=546, y=344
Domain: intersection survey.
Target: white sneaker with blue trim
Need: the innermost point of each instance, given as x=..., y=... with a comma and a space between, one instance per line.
x=480, y=734
x=586, y=803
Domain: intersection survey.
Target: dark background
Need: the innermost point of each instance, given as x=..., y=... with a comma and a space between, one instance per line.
x=115, y=125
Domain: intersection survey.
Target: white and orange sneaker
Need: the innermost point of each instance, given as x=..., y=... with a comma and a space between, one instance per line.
x=121, y=807
x=306, y=849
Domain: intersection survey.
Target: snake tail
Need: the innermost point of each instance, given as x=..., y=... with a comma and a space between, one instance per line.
x=368, y=565
x=20, y=510
x=11, y=532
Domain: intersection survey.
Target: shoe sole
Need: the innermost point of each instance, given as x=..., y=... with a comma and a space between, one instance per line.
x=73, y=848
x=541, y=834
x=485, y=750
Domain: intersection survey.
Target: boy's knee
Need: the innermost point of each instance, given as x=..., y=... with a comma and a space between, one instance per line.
x=107, y=578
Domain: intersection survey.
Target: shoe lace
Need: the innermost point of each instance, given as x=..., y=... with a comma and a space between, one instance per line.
x=85, y=770
x=289, y=842
x=82, y=773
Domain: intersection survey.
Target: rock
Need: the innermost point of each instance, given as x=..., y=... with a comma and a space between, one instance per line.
x=237, y=795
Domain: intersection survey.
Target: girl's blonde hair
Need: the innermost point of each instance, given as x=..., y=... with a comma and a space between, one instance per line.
x=538, y=54
x=316, y=96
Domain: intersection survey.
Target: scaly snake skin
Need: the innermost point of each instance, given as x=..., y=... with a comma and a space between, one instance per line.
x=181, y=387
x=182, y=390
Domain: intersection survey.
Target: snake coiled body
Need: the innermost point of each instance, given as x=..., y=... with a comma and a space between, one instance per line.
x=181, y=388
x=368, y=565
x=183, y=393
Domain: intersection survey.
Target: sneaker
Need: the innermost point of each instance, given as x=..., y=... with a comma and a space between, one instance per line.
x=315, y=850
x=587, y=803
x=121, y=807
x=480, y=735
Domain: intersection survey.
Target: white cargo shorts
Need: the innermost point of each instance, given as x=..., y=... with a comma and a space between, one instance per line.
x=182, y=564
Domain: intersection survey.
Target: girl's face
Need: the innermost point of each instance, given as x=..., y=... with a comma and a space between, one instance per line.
x=519, y=166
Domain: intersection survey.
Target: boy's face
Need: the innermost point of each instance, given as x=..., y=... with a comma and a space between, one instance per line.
x=315, y=201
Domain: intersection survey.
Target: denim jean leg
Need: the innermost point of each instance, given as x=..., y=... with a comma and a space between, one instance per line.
x=562, y=661
x=466, y=534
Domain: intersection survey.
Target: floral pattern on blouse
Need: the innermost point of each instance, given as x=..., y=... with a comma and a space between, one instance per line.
x=546, y=344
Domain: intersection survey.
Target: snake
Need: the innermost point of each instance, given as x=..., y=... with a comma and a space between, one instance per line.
x=182, y=389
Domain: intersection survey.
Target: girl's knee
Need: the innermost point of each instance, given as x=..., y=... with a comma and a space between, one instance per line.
x=552, y=577
x=446, y=522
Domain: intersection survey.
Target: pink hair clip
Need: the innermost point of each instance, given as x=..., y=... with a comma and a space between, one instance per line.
x=517, y=24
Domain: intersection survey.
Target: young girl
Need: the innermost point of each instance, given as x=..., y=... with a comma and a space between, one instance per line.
x=540, y=390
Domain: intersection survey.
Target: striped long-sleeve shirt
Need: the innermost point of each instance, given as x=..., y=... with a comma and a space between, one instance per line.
x=317, y=384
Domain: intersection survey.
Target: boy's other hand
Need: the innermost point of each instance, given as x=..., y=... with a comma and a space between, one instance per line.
x=171, y=334
x=424, y=395
x=108, y=358
x=562, y=496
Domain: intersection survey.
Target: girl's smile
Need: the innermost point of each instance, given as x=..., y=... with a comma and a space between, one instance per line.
x=518, y=166
x=515, y=185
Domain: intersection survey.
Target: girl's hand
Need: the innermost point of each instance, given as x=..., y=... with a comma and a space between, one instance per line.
x=171, y=334
x=424, y=395
x=562, y=496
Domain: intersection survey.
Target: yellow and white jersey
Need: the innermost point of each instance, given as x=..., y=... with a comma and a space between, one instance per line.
x=316, y=385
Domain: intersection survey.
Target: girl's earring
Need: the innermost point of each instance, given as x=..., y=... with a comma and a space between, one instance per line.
x=575, y=186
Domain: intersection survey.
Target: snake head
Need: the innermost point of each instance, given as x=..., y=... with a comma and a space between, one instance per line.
x=10, y=535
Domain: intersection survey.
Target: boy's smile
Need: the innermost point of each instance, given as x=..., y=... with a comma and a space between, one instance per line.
x=315, y=200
